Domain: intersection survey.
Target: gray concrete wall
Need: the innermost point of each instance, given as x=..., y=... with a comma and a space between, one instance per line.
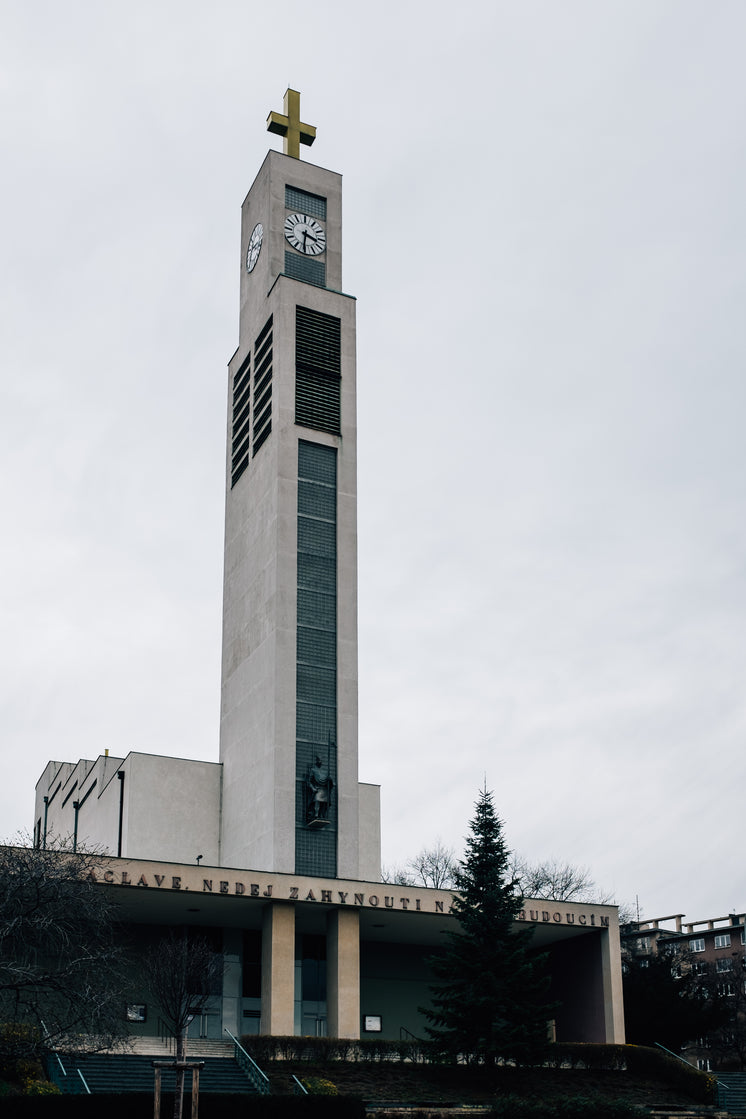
x=170, y=810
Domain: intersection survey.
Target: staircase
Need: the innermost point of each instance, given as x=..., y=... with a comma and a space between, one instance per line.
x=133, y=1072
x=196, y=1048
x=732, y=1092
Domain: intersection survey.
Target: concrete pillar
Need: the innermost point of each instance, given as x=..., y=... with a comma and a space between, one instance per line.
x=343, y=973
x=232, y=982
x=278, y=969
x=611, y=977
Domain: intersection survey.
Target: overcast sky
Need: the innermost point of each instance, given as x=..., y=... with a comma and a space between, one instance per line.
x=545, y=231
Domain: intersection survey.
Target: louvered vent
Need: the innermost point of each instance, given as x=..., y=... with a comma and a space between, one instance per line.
x=262, y=386
x=317, y=370
x=240, y=421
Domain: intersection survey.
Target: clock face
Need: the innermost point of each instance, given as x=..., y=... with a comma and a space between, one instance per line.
x=305, y=234
x=255, y=246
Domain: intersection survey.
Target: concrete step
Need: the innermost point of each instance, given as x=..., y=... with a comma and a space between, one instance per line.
x=195, y=1047
x=732, y=1092
x=109, y=1072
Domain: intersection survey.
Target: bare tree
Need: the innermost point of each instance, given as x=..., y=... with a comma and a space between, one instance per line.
x=182, y=973
x=397, y=876
x=433, y=867
x=558, y=881
x=62, y=975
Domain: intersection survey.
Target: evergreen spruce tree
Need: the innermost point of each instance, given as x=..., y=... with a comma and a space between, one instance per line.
x=489, y=1000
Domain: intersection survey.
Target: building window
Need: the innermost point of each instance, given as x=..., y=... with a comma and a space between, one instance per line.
x=312, y=204
x=699, y=967
x=703, y=1064
x=726, y=989
x=723, y=965
x=306, y=269
x=722, y=940
x=697, y=945
x=316, y=652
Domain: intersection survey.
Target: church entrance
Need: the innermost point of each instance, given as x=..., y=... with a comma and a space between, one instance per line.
x=208, y=1023
x=312, y=981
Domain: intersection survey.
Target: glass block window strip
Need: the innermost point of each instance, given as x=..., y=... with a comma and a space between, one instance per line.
x=240, y=420
x=312, y=204
x=299, y=267
x=316, y=723
x=318, y=464
x=316, y=656
x=316, y=537
x=316, y=573
x=316, y=646
x=316, y=685
x=262, y=414
x=317, y=610
x=319, y=500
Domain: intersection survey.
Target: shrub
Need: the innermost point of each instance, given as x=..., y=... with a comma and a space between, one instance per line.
x=318, y=1086
x=33, y=1087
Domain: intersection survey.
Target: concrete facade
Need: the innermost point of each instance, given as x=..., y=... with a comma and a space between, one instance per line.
x=141, y=806
x=373, y=939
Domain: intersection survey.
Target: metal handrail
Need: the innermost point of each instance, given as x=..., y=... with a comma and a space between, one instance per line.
x=718, y=1085
x=52, y=1048
x=85, y=1085
x=259, y=1079
x=404, y=1033
x=300, y=1085
x=676, y=1055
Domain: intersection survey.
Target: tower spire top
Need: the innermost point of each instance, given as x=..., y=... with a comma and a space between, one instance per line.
x=289, y=125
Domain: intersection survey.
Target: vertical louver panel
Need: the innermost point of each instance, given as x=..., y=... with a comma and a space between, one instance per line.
x=240, y=421
x=318, y=365
x=262, y=412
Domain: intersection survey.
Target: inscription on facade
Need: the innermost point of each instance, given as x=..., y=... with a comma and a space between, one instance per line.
x=325, y=893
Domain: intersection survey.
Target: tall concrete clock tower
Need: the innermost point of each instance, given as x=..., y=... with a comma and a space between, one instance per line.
x=291, y=800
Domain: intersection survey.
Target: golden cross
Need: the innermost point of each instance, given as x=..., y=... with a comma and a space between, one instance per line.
x=288, y=125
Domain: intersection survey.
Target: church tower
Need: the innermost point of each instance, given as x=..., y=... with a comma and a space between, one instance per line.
x=291, y=801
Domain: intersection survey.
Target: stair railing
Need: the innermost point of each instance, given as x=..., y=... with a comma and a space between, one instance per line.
x=299, y=1089
x=85, y=1085
x=407, y=1035
x=53, y=1056
x=721, y=1090
x=248, y=1065
x=672, y=1054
